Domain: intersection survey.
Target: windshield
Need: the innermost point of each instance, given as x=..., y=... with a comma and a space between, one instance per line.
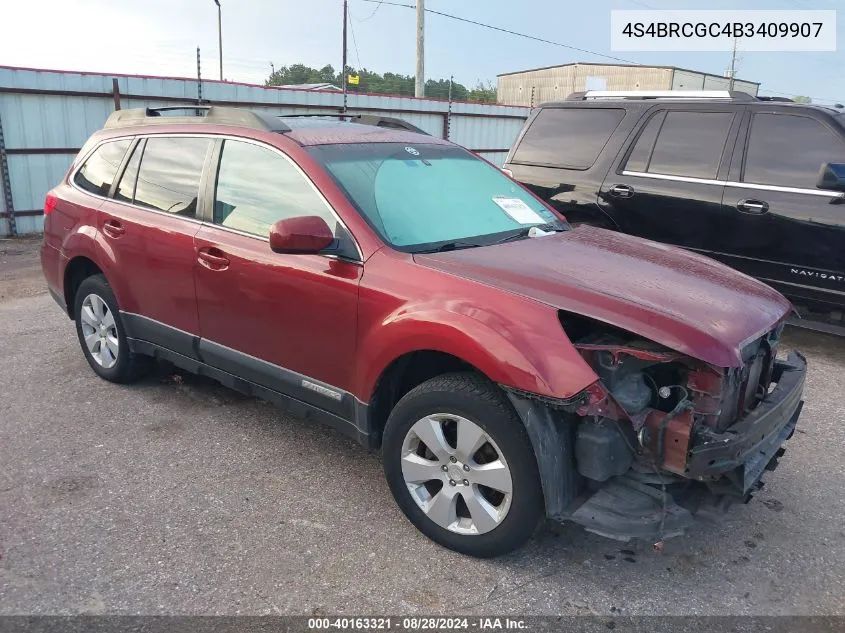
x=419, y=197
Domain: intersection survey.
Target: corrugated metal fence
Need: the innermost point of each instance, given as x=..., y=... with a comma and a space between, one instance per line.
x=47, y=116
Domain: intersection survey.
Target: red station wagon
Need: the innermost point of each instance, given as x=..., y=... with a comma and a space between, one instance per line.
x=414, y=297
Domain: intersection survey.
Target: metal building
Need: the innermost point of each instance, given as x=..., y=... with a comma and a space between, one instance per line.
x=554, y=83
x=46, y=115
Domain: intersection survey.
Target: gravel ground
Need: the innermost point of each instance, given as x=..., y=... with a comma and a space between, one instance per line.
x=178, y=496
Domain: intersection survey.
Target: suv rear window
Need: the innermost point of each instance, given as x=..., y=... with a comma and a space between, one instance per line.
x=571, y=138
x=97, y=173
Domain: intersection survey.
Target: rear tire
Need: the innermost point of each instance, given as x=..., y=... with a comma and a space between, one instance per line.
x=102, y=334
x=460, y=465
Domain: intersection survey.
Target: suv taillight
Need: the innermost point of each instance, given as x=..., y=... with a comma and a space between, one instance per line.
x=50, y=203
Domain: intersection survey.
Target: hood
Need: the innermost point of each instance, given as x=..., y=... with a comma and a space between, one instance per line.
x=682, y=300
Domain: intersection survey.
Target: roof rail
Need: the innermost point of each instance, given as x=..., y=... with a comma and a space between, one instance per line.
x=732, y=95
x=386, y=122
x=297, y=115
x=377, y=120
x=213, y=114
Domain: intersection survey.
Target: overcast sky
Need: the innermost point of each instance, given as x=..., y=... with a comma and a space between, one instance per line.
x=159, y=37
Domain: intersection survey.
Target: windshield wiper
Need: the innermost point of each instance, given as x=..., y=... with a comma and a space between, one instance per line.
x=523, y=232
x=451, y=246
x=519, y=233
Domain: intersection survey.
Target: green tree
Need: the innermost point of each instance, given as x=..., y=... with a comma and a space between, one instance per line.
x=802, y=99
x=485, y=93
x=439, y=89
x=373, y=82
x=301, y=74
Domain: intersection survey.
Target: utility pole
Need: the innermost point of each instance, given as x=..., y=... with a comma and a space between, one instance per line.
x=272, y=69
x=449, y=110
x=343, y=65
x=220, y=36
x=199, y=82
x=733, y=65
x=419, y=85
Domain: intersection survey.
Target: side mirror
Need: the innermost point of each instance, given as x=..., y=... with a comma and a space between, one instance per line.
x=832, y=177
x=301, y=235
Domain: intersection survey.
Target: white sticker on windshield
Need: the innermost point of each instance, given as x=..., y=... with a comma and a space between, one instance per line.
x=518, y=210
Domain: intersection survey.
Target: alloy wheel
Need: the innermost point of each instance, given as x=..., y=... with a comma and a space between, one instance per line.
x=99, y=331
x=456, y=474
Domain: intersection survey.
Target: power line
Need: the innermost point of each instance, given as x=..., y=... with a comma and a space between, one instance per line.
x=508, y=31
x=553, y=43
x=790, y=94
x=354, y=43
x=378, y=6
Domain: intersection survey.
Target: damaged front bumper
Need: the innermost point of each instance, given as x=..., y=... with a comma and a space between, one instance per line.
x=720, y=467
x=744, y=450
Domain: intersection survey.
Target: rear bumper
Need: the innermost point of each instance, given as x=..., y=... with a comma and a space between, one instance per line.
x=59, y=299
x=51, y=260
x=743, y=451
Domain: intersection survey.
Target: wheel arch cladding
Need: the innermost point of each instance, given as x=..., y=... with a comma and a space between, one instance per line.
x=403, y=374
x=76, y=271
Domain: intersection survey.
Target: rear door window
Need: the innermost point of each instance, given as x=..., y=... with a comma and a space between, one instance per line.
x=691, y=144
x=789, y=150
x=571, y=138
x=98, y=171
x=170, y=173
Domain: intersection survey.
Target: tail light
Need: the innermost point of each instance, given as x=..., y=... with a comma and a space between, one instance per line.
x=50, y=203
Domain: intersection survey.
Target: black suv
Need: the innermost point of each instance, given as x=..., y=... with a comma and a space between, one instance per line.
x=754, y=182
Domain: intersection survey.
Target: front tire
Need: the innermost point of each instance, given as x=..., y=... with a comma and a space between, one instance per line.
x=102, y=334
x=460, y=465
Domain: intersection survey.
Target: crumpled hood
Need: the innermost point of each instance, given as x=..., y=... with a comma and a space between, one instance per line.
x=682, y=300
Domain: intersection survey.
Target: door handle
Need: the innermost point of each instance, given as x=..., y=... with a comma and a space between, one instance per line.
x=113, y=228
x=754, y=207
x=212, y=258
x=621, y=191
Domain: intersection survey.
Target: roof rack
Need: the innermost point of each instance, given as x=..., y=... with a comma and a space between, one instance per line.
x=729, y=95
x=390, y=122
x=213, y=114
x=242, y=118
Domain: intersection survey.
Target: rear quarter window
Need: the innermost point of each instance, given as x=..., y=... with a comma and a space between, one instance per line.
x=571, y=138
x=98, y=171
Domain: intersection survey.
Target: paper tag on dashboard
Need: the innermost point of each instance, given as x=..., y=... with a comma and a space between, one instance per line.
x=518, y=210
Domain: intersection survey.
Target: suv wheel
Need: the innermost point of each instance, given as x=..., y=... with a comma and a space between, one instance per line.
x=460, y=465
x=102, y=335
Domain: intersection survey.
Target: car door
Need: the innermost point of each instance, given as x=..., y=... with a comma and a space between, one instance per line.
x=667, y=184
x=149, y=224
x=284, y=321
x=789, y=232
